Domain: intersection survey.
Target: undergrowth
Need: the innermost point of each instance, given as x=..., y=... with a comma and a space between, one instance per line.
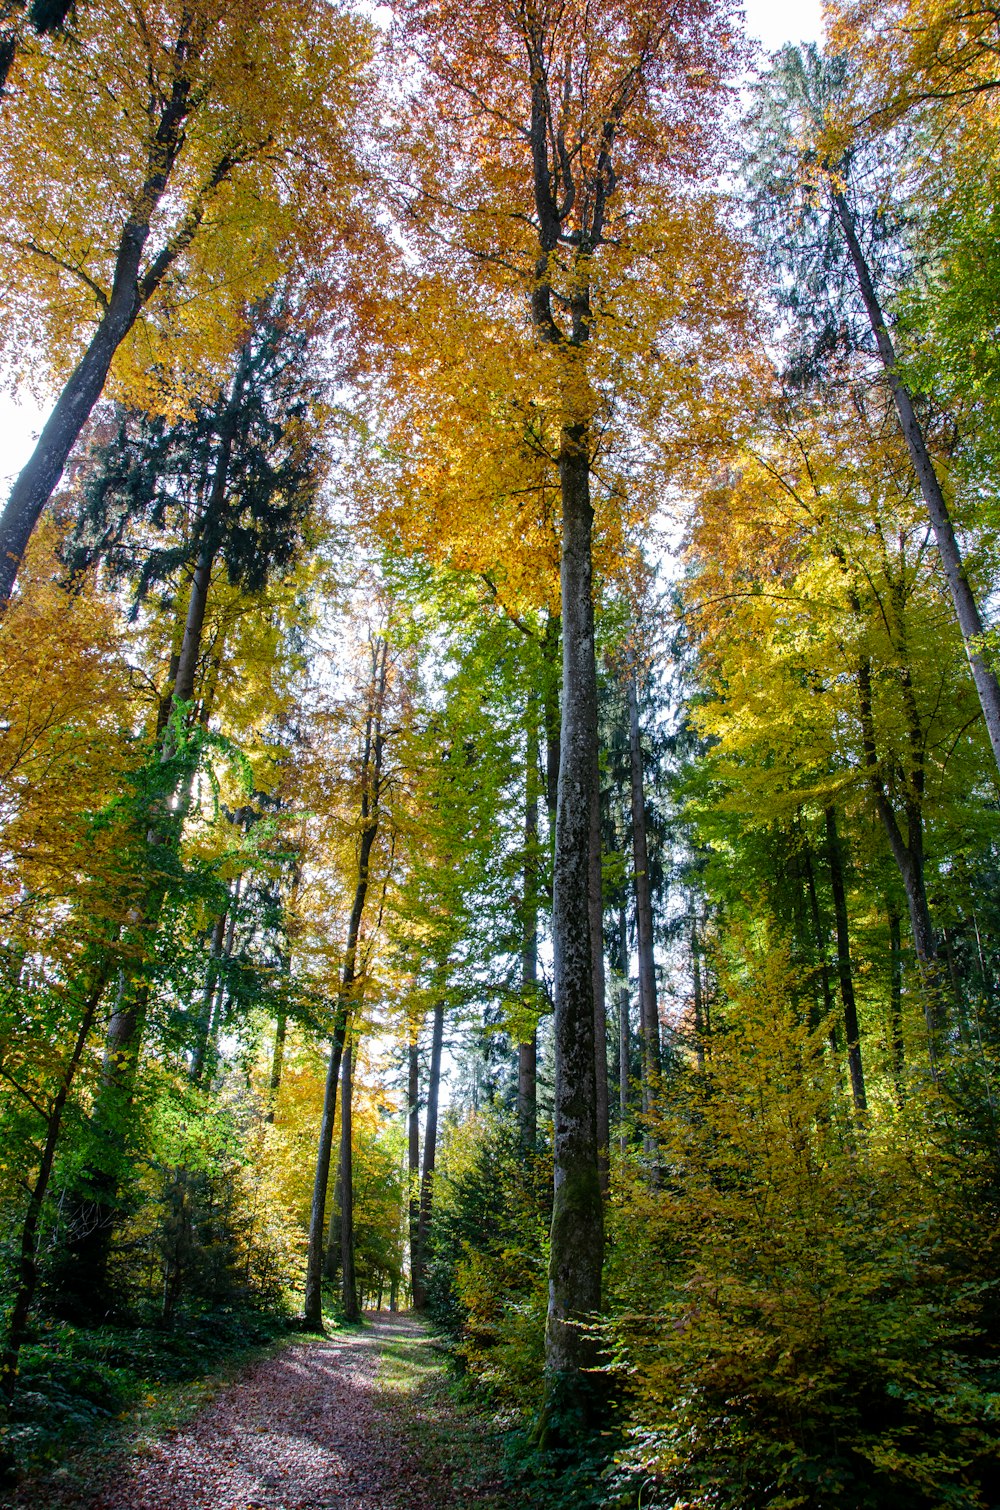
x=86, y=1396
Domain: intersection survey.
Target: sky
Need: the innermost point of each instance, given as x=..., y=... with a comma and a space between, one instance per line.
x=772, y=22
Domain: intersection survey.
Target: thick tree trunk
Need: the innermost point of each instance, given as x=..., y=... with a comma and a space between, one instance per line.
x=649, y=1023
x=966, y=608
x=430, y=1153
x=349, y=1286
x=852, y=1032
x=577, y=1233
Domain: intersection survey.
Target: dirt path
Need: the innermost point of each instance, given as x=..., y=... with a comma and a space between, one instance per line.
x=357, y=1421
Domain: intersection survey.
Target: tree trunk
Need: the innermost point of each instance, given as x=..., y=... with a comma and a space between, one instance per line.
x=908, y=853
x=896, y=1043
x=277, y=1064
x=27, y=1274
x=624, y=1053
x=699, y=1006
x=966, y=608
x=331, y=1261
x=349, y=1286
x=130, y=291
x=430, y=1153
x=577, y=1233
x=527, y=1051
x=649, y=1023
x=204, y=1020
x=413, y=1161
x=595, y=900
x=852, y=1032
x=371, y=792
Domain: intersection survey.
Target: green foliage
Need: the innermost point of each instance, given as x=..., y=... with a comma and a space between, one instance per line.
x=488, y=1256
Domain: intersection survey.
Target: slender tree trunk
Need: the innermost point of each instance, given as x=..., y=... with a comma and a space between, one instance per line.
x=908, y=853
x=430, y=1152
x=27, y=1271
x=281, y=1017
x=649, y=1024
x=277, y=1064
x=413, y=1161
x=204, y=1019
x=966, y=608
x=852, y=1031
x=527, y=1051
x=551, y=715
x=371, y=791
x=595, y=898
x=896, y=1042
x=821, y=945
x=577, y=1233
x=699, y=1006
x=331, y=1261
x=349, y=1286
x=131, y=289
x=624, y=1051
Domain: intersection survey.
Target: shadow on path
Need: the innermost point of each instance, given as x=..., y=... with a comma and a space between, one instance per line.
x=312, y=1428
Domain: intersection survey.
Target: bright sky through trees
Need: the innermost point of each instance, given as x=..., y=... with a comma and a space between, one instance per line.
x=772, y=22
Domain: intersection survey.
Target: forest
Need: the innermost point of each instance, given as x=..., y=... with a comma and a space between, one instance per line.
x=500, y=727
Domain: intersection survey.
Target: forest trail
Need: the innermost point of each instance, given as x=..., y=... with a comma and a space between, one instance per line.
x=359, y=1420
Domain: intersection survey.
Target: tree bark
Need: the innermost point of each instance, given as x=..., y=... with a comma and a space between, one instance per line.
x=527, y=1051
x=430, y=1153
x=577, y=1233
x=966, y=608
x=413, y=1160
x=699, y=1006
x=852, y=1032
x=277, y=1064
x=896, y=1041
x=595, y=900
x=349, y=1284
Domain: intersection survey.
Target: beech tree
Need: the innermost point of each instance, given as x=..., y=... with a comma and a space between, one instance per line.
x=156, y=186
x=569, y=129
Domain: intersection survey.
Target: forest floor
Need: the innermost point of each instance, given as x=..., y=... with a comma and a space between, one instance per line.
x=362, y=1419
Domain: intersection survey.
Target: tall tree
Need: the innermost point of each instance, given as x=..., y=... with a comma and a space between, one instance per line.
x=206, y=126
x=559, y=122
x=370, y=795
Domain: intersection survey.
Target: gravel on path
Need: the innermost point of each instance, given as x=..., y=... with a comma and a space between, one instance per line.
x=302, y=1430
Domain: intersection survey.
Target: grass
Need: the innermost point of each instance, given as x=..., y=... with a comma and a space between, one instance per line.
x=454, y=1445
